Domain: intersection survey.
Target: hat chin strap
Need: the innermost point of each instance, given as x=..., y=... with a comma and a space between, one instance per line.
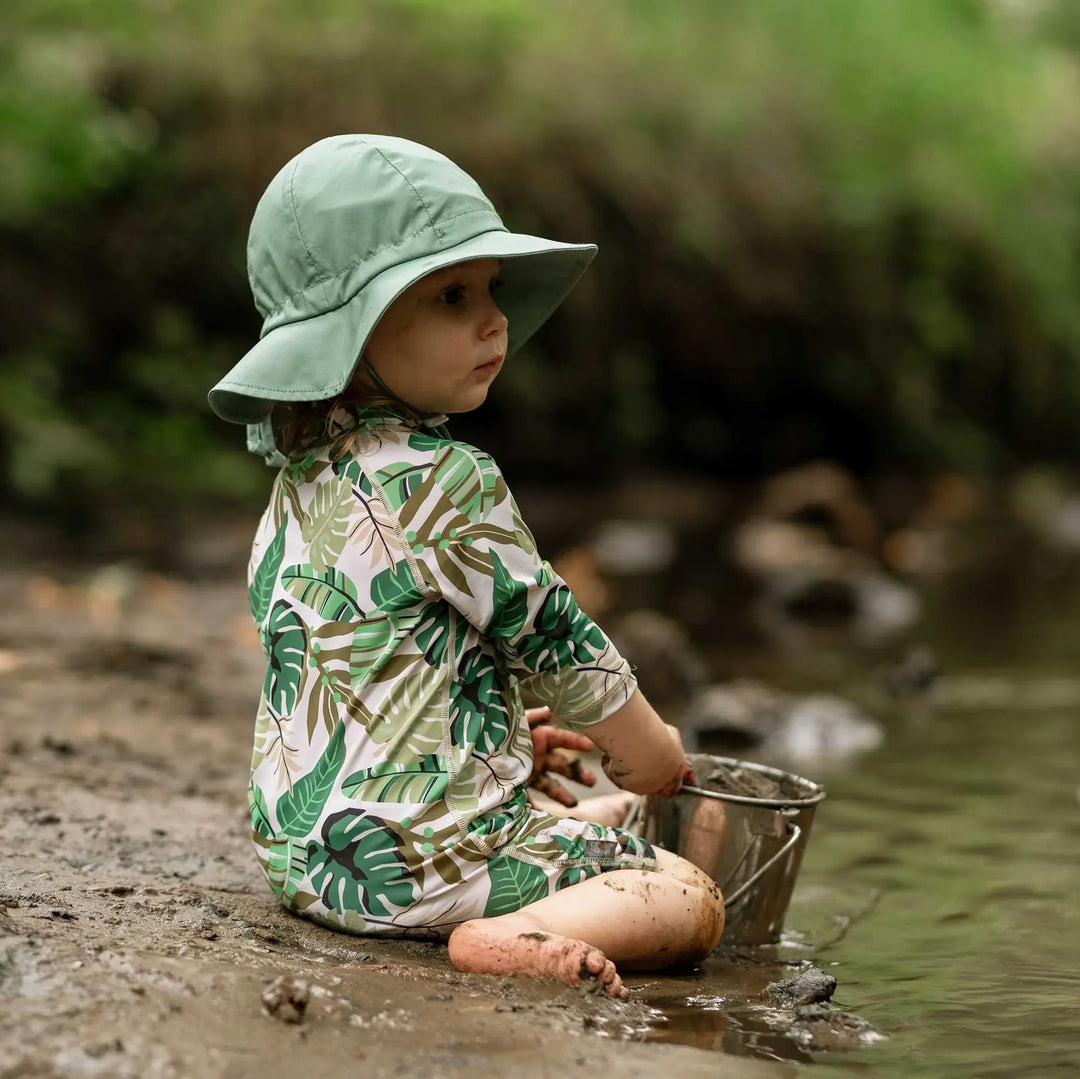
x=435, y=423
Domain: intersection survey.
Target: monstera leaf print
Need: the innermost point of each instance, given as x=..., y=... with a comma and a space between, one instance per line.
x=329, y=592
x=299, y=809
x=432, y=633
x=358, y=865
x=509, y=600
x=568, y=693
x=285, y=639
x=478, y=714
x=563, y=636
x=261, y=589
x=325, y=527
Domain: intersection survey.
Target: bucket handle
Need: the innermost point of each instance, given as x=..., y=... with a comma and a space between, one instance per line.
x=794, y=831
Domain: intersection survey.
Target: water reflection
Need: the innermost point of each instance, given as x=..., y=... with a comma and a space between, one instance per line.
x=940, y=884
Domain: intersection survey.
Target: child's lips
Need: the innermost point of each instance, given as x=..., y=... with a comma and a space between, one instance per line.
x=490, y=367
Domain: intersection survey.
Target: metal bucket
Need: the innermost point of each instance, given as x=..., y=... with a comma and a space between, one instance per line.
x=751, y=846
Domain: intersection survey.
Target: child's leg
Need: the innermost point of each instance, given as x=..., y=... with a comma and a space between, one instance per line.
x=607, y=809
x=638, y=918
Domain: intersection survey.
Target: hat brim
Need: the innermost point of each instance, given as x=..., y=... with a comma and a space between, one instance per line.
x=313, y=359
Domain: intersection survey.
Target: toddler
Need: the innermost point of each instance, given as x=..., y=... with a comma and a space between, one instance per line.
x=416, y=643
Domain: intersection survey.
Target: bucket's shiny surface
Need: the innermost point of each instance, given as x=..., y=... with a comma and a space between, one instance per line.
x=733, y=837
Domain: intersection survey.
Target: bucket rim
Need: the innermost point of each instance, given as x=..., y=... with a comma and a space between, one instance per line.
x=815, y=795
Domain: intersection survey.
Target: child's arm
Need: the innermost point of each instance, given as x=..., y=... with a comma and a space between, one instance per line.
x=642, y=753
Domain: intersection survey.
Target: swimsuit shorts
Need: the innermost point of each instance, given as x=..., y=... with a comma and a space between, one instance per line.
x=545, y=855
x=553, y=853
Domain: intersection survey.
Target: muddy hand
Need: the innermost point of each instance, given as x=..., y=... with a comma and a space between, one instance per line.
x=548, y=762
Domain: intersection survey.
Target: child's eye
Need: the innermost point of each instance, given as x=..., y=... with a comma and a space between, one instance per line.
x=453, y=295
x=495, y=286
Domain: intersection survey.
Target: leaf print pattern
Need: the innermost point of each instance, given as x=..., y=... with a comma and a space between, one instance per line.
x=261, y=589
x=329, y=593
x=373, y=533
x=286, y=646
x=514, y=884
x=478, y=715
x=425, y=780
x=407, y=619
x=358, y=865
x=563, y=635
x=299, y=809
x=325, y=528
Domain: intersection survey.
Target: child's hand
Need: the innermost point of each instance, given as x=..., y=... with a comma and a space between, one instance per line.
x=547, y=742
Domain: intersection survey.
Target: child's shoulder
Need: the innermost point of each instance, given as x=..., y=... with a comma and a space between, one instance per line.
x=466, y=475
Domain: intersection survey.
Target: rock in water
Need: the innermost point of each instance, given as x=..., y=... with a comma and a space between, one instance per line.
x=809, y=986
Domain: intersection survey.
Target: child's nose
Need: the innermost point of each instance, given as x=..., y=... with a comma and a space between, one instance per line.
x=495, y=322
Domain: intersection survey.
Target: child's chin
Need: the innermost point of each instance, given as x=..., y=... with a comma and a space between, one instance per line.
x=467, y=405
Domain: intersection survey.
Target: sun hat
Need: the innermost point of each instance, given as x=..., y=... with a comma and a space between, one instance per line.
x=342, y=230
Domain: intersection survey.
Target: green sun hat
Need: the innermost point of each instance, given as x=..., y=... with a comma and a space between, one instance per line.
x=343, y=229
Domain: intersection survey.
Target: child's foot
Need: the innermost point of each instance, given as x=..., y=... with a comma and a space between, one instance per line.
x=512, y=945
x=607, y=809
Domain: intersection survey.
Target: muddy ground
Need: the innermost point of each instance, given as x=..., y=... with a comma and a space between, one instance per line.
x=137, y=935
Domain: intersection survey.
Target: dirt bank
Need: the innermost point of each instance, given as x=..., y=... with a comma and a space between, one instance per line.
x=136, y=934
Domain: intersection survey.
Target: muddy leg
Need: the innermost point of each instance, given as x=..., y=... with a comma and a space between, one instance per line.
x=643, y=920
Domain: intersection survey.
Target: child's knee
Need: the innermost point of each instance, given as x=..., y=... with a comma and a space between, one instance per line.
x=671, y=865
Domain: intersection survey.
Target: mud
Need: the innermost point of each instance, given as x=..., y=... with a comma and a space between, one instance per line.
x=137, y=937
x=713, y=774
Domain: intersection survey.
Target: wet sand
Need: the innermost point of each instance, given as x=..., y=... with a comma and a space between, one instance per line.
x=137, y=936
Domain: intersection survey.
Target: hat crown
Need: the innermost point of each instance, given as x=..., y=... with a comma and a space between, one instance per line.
x=348, y=208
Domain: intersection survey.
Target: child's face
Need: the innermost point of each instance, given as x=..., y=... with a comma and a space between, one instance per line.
x=441, y=343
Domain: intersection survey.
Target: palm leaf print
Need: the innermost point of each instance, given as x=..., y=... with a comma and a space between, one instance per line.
x=373, y=534
x=260, y=815
x=298, y=810
x=270, y=745
x=514, y=885
x=409, y=720
x=372, y=645
x=423, y=781
x=261, y=589
x=400, y=482
x=329, y=593
x=286, y=865
x=394, y=589
x=325, y=528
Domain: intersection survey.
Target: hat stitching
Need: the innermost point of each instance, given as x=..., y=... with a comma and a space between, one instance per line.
x=296, y=217
x=414, y=191
x=370, y=255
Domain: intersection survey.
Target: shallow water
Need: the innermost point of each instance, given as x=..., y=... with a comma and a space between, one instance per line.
x=941, y=883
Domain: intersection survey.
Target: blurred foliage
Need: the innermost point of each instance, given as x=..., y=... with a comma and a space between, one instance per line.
x=830, y=229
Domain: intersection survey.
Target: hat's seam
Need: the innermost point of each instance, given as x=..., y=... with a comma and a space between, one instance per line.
x=373, y=254
x=296, y=219
x=431, y=221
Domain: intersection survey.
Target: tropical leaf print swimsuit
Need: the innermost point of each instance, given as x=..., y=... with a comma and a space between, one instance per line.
x=407, y=622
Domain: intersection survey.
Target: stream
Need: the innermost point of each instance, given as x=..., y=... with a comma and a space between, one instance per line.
x=940, y=884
